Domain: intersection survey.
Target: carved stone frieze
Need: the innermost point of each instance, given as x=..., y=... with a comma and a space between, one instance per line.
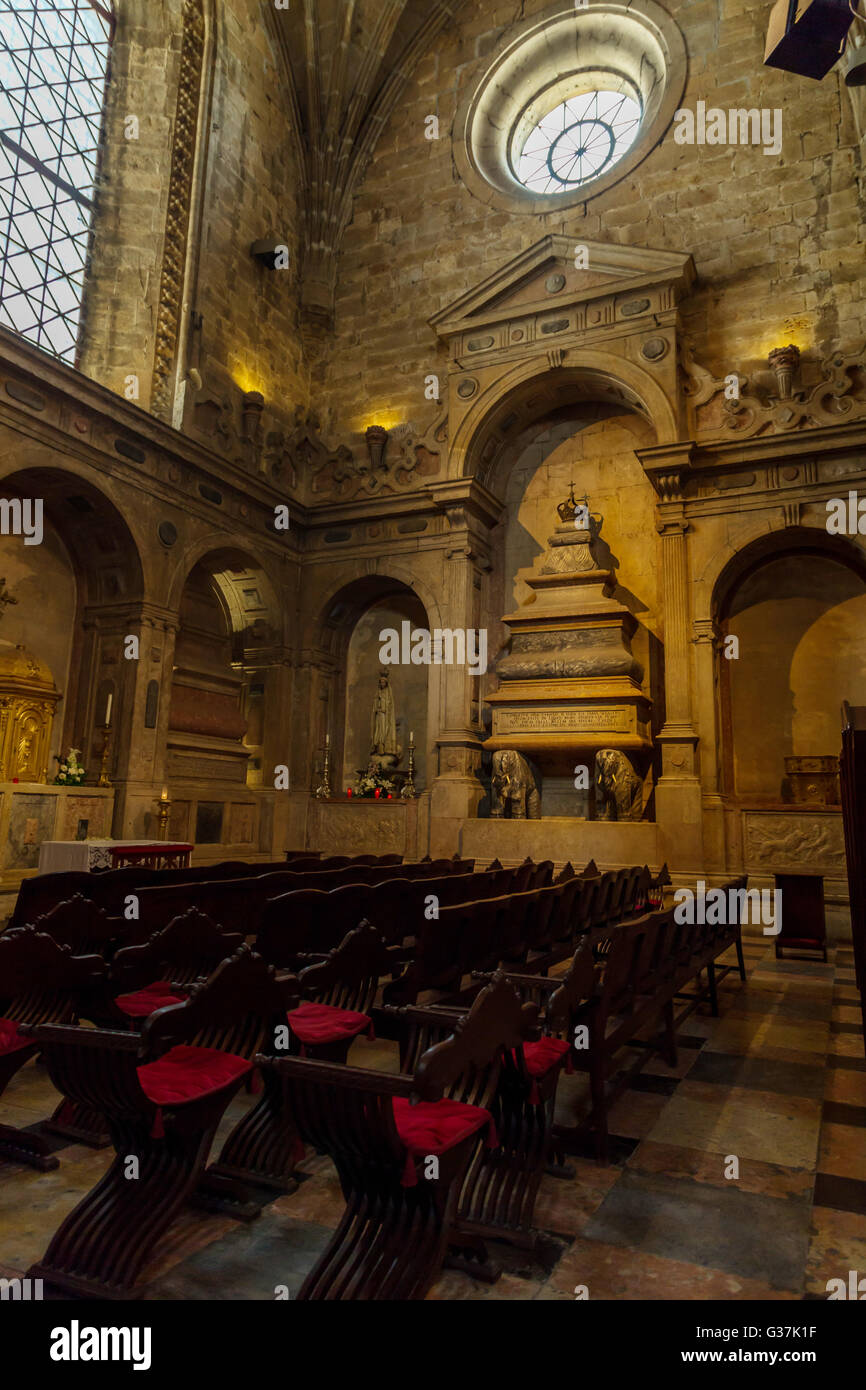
x=406, y=456
x=831, y=392
x=795, y=840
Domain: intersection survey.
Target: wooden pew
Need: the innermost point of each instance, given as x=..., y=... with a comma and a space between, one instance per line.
x=393, y=1235
x=498, y=1195
x=42, y=980
x=163, y=1093
x=160, y=972
x=337, y=995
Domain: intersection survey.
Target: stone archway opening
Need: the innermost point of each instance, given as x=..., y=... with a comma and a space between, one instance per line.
x=791, y=613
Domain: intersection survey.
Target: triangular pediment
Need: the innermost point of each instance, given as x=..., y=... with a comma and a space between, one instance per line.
x=546, y=275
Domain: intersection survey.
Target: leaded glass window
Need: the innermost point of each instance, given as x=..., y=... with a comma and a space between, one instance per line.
x=53, y=72
x=578, y=141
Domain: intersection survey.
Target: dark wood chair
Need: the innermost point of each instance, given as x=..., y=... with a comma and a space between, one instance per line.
x=159, y=972
x=163, y=1093
x=401, y=1164
x=498, y=1195
x=263, y=1148
x=43, y=980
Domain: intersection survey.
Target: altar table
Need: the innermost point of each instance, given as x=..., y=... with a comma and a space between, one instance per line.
x=63, y=856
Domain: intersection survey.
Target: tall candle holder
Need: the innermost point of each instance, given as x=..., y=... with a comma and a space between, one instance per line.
x=163, y=811
x=408, y=792
x=324, y=791
x=106, y=748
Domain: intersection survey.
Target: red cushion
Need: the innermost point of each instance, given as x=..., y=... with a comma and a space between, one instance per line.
x=323, y=1023
x=144, y=1001
x=187, y=1073
x=434, y=1126
x=10, y=1039
x=541, y=1056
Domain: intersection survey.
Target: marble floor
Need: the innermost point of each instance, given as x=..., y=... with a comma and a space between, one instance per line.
x=777, y=1082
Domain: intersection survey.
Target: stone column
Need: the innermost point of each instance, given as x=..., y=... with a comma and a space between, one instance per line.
x=705, y=641
x=137, y=764
x=678, y=793
x=456, y=790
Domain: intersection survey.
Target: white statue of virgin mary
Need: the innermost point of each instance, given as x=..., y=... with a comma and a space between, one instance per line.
x=383, y=725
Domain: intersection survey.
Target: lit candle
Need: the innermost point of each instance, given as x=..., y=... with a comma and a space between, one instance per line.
x=164, y=796
x=349, y=793
x=377, y=793
x=108, y=709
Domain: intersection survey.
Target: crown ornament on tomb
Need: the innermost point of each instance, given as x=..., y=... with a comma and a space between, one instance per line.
x=569, y=509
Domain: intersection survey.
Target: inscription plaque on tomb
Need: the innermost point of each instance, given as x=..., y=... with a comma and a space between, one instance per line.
x=566, y=721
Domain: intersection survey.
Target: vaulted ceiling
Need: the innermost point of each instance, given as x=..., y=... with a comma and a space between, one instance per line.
x=346, y=63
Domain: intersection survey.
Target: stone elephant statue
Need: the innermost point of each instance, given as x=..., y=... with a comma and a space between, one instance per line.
x=618, y=789
x=514, y=783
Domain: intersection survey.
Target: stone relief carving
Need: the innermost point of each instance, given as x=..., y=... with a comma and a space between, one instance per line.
x=356, y=830
x=388, y=460
x=179, y=196
x=788, y=396
x=794, y=840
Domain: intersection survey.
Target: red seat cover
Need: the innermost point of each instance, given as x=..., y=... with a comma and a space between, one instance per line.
x=432, y=1127
x=144, y=1001
x=10, y=1039
x=188, y=1073
x=324, y=1023
x=540, y=1056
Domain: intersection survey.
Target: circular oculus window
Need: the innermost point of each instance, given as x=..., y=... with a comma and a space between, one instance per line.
x=578, y=140
x=569, y=103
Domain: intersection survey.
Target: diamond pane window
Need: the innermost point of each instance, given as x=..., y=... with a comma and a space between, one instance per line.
x=53, y=72
x=578, y=141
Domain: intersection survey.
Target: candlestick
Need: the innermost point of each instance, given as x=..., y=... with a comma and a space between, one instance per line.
x=163, y=811
x=324, y=791
x=106, y=745
x=408, y=792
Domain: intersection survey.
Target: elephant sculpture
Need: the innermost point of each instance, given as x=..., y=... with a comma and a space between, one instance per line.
x=618, y=789
x=514, y=783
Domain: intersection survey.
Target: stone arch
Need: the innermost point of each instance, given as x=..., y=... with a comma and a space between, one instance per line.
x=589, y=374
x=794, y=598
x=331, y=632
x=765, y=539
x=223, y=548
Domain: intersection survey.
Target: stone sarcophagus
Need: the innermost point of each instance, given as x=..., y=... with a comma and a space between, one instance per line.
x=570, y=684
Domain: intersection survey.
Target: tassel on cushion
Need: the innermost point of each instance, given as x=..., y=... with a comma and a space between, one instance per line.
x=157, y=1130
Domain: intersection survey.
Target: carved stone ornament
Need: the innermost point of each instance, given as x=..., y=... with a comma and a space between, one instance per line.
x=795, y=839
x=384, y=463
x=832, y=392
x=179, y=203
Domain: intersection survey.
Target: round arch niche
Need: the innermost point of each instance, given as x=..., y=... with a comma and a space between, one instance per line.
x=85, y=566
x=355, y=620
x=229, y=625
x=796, y=603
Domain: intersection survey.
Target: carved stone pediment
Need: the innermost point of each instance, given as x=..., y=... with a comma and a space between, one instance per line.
x=593, y=320
x=541, y=297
